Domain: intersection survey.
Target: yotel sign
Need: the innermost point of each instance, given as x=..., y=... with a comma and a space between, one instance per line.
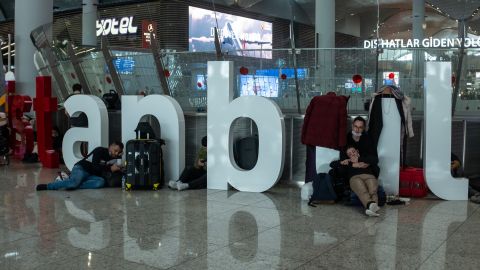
x=114, y=26
x=223, y=110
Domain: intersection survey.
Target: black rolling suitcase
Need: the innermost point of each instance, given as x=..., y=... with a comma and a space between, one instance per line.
x=245, y=151
x=144, y=164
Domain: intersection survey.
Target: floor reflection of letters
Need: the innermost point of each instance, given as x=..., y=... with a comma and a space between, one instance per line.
x=147, y=222
x=242, y=228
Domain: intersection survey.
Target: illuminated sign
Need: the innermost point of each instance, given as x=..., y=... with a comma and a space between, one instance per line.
x=419, y=43
x=234, y=32
x=149, y=28
x=113, y=26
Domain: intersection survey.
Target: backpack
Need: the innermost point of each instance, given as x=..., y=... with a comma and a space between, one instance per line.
x=112, y=100
x=323, y=191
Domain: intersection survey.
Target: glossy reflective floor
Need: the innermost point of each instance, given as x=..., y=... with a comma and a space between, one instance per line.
x=211, y=229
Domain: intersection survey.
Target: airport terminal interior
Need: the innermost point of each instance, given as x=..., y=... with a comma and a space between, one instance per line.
x=339, y=134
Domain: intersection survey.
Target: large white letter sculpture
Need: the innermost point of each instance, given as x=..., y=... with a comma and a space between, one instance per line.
x=389, y=147
x=222, y=111
x=438, y=134
x=96, y=134
x=172, y=127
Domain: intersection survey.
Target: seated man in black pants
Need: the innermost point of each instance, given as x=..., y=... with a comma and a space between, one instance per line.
x=194, y=177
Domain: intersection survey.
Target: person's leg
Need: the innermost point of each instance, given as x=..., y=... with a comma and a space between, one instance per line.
x=93, y=182
x=198, y=183
x=193, y=174
x=310, y=168
x=358, y=186
x=184, y=176
x=77, y=176
x=372, y=186
x=188, y=175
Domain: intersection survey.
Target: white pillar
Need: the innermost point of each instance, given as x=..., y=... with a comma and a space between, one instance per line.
x=325, y=38
x=89, y=18
x=28, y=16
x=418, y=20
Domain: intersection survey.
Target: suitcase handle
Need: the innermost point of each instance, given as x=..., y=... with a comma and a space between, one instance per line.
x=138, y=135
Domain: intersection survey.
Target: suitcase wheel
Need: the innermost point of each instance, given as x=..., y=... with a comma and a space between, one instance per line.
x=128, y=187
x=156, y=186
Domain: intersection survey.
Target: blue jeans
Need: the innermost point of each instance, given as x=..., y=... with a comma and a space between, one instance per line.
x=79, y=179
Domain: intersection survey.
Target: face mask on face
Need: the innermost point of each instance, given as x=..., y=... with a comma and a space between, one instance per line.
x=356, y=134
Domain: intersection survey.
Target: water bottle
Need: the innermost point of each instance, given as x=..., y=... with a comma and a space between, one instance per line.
x=123, y=182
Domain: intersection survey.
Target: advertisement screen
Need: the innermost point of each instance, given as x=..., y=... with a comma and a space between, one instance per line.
x=235, y=33
x=302, y=73
x=388, y=80
x=201, y=82
x=265, y=86
x=124, y=65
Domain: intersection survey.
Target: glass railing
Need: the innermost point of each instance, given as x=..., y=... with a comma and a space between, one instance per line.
x=288, y=77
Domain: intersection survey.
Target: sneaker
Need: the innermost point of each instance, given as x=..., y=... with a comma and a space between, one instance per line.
x=370, y=213
x=182, y=186
x=475, y=199
x=41, y=187
x=373, y=207
x=172, y=184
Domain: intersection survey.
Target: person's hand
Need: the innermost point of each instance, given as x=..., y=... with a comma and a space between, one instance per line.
x=455, y=165
x=354, y=159
x=362, y=165
x=115, y=168
x=345, y=162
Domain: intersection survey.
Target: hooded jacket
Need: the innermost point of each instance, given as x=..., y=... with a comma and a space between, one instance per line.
x=325, y=121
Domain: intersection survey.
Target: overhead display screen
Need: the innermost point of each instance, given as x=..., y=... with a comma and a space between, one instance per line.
x=235, y=33
x=265, y=86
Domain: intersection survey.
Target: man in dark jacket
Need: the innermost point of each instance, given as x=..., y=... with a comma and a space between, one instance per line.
x=360, y=174
x=359, y=139
x=88, y=174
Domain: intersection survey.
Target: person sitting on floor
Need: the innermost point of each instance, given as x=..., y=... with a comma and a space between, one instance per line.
x=194, y=177
x=457, y=171
x=361, y=175
x=88, y=174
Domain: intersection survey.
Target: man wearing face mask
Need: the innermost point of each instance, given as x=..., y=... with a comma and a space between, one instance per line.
x=359, y=139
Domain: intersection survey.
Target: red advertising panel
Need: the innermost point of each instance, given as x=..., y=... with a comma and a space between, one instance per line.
x=149, y=30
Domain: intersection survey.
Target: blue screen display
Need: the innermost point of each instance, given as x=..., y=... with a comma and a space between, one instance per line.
x=201, y=82
x=302, y=73
x=124, y=65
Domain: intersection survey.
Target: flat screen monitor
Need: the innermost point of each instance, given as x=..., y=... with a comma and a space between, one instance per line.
x=302, y=73
x=353, y=87
x=252, y=85
x=235, y=33
x=387, y=80
x=201, y=82
x=124, y=65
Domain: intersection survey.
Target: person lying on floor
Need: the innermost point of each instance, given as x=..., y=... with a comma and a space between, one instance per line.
x=194, y=177
x=87, y=174
x=361, y=175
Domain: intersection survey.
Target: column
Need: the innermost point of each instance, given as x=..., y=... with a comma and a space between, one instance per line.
x=418, y=21
x=325, y=38
x=89, y=18
x=28, y=16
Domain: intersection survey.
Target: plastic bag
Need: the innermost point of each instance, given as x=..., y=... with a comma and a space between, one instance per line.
x=307, y=191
